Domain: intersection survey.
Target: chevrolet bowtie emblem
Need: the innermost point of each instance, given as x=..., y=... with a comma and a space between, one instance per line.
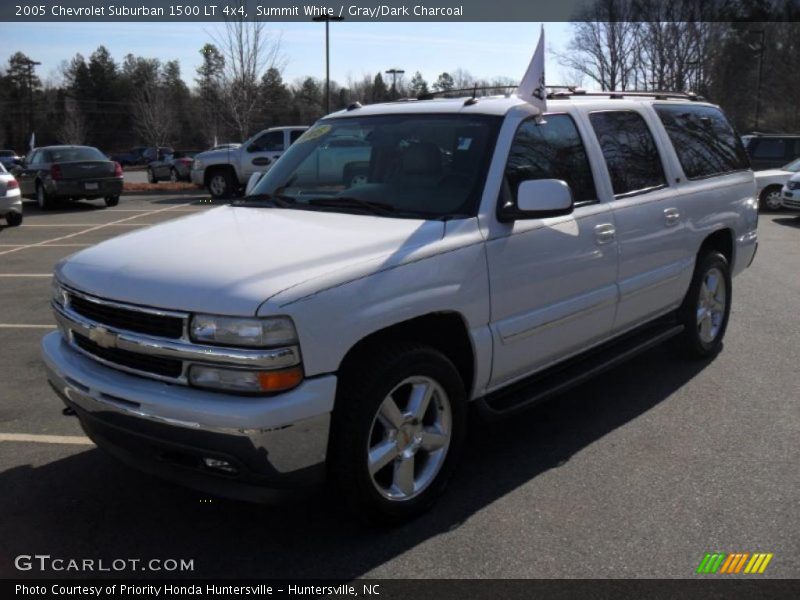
x=103, y=337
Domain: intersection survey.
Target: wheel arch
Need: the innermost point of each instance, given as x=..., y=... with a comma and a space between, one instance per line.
x=721, y=240
x=445, y=331
x=211, y=169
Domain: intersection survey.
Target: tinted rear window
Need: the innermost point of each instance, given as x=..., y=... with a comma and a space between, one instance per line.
x=73, y=154
x=704, y=140
x=634, y=164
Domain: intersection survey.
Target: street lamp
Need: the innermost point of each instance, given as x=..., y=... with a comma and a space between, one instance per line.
x=327, y=19
x=394, y=73
x=760, y=49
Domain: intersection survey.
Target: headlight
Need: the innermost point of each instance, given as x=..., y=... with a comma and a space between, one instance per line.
x=59, y=294
x=244, y=380
x=793, y=185
x=243, y=331
x=197, y=164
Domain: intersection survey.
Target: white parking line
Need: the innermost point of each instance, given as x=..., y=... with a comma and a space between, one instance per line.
x=48, y=246
x=83, y=224
x=95, y=228
x=80, y=440
x=26, y=274
x=24, y=326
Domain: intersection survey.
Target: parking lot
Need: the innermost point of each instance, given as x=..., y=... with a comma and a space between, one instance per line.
x=638, y=473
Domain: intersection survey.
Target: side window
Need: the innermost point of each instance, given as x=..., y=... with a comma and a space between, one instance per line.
x=630, y=151
x=272, y=141
x=770, y=148
x=550, y=150
x=796, y=152
x=703, y=139
x=295, y=135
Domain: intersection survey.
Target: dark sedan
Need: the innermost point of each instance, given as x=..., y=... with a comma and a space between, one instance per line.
x=176, y=166
x=57, y=173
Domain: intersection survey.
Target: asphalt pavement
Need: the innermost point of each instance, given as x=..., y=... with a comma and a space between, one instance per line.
x=638, y=473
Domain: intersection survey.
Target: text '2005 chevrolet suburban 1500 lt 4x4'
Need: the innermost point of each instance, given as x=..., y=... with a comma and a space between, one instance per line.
x=339, y=326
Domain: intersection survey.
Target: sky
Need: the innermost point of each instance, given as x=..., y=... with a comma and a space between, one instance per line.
x=486, y=50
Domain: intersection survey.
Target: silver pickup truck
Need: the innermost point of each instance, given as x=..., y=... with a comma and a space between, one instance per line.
x=224, y=172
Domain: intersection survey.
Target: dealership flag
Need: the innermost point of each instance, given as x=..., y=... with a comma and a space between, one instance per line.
x=532, y=88
x=33, y=141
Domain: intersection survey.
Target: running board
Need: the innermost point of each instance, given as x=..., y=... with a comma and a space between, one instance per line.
x=559, y=378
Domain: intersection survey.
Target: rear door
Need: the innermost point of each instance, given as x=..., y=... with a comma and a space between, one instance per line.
x=655, y=253
x=552, y=280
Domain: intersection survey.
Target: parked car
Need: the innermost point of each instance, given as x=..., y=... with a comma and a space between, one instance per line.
x=771, y=150
x=790, y=193
x=770, y=182
x=10, y=198
x=9, y=158
x=55, y=173
x=129, y=159
x=225, y=172
x=175, y=167
x=342, y=326
x=154, y=153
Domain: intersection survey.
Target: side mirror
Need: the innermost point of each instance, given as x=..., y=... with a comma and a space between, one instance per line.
x=252, y=182
x=538, y=199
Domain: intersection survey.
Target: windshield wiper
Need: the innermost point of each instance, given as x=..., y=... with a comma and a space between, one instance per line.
x=278, y=200
x=378, y=208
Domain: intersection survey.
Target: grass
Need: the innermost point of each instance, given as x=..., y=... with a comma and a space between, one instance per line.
x=164, y=186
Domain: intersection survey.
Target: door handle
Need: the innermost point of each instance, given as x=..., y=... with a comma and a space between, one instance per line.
x=605, y=233
x=671, y=216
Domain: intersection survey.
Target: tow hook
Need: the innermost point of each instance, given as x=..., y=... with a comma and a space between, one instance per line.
x=68, y=411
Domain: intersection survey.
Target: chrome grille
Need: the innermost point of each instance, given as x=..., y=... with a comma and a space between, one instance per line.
x=143, y=321
x=156, y=365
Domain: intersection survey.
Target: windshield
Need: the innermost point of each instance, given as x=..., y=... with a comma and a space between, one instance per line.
x=422, y=166
x=793, y=166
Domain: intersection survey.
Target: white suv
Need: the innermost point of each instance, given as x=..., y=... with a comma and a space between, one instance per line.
x=468, y=252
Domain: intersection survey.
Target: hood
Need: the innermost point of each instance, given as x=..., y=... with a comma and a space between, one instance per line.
x=215, y=155
x=230, y=260
x=770, y=173
x=795, y=177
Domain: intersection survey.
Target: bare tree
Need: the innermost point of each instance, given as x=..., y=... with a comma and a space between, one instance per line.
x=72, y=129
x=153, y=114
x=249, y=51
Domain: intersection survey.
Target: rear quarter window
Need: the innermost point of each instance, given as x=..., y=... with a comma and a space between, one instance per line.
x=704, y=140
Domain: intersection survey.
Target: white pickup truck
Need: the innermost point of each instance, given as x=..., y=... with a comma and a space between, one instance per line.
x=468, y=252
x=225, y=171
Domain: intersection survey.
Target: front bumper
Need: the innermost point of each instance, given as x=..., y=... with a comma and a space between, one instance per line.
x=276, y=445
x=790, y=200
x=198, y=177
x=68, y=188
x=9, y=204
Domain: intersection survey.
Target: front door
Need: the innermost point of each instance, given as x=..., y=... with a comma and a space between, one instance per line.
x=262, y=152
x=553, y=280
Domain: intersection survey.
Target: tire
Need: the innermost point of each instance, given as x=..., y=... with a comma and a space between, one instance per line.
x=42, y=198
x=770, y=199
x=111, y=201
x=151, y=176
x=220, y=184
x=173, y=176
x=706, y=307
x=14, y=219
x=381, y=383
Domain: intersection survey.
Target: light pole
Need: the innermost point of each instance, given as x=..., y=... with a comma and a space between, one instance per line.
x=394, y=73
x=760, y=49
x=327, y=19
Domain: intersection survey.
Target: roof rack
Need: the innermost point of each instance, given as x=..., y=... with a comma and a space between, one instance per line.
x=470, y=91
x=569, y=91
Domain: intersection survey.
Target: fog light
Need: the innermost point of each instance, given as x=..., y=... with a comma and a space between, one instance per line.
x=219, y=465
x=245, y=380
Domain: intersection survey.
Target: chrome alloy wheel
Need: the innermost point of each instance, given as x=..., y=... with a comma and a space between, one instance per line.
x=409, y=438
x=711, y=305
x=217, y=185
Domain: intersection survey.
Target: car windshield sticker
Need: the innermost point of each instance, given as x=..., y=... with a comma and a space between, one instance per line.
x=313, y=134
x=464, y=143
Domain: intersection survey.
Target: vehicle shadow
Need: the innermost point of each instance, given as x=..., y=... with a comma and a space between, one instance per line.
x=788, y=221
x=88, y=506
